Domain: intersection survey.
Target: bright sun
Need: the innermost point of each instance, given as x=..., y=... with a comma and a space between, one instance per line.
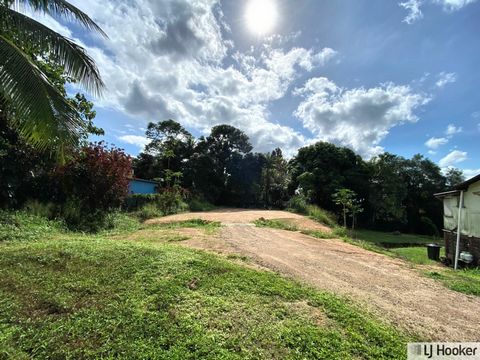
x=261, y=16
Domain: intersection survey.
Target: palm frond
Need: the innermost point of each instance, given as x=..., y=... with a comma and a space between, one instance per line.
x=72, y=57
x=41, y=113
x=62, y=8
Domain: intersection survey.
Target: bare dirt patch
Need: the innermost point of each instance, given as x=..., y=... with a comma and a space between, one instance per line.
x=244, y=216
x=388, y=287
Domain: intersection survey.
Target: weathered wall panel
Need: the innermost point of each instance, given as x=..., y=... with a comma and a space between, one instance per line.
x=470, y=213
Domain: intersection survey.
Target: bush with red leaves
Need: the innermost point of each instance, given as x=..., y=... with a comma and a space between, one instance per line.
x=94, y=182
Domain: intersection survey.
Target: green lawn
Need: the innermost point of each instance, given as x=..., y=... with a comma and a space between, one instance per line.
x=416, y=254
x=379, y=237
x=105, y=296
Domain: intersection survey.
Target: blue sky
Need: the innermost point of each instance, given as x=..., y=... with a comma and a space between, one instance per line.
x=373, y=75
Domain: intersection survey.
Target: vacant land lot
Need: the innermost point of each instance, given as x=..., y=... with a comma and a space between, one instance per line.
x=388, y=286
x=138, y=295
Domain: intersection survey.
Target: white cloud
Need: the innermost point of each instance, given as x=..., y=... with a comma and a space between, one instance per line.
x=324, y=56
x=358, y=118
x=414, y=7
x=452, y=130
x=453, y=5
x=435, y=143
x=414, y=11
x=176, y=61
x=445, y=78
x=469, y=173
x=137, y=140
x=452, y=158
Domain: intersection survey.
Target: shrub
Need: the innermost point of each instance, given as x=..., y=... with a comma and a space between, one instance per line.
x=46, y=210
x=147, y=206
x=148, y=211
x=93, y=182
x=321, y=215
x=428, y=227
x=299, y=204
x=171, y=200
x=199, y=204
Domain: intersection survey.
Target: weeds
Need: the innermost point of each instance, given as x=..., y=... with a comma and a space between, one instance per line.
x=275, y=223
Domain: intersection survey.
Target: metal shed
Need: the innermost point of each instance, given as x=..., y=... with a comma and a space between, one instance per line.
x=461, y=210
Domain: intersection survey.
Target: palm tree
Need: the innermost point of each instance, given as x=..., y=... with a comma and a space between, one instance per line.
x=40, y=112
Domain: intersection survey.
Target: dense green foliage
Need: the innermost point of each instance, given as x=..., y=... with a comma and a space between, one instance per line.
x=388, y=192
x=43, y=115
x=299, y=204
x=111, y=297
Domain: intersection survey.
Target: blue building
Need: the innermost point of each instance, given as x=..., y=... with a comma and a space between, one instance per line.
x=140, y=186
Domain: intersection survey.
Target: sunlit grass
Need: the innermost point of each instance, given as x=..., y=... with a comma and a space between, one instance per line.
x=102, y=296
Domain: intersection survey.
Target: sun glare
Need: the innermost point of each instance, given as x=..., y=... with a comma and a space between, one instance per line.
x=261, y=16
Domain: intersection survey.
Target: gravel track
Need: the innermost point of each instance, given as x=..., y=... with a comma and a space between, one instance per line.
x=389, y=287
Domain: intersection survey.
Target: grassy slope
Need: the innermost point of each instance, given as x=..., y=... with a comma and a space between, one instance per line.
x=80, y=296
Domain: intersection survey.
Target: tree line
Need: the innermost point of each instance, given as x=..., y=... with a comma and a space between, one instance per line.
x=387, y=192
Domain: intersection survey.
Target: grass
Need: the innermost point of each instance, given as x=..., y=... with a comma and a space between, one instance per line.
x=275, y=224
x=466, y=281
x=27, y=227
x=378, y=237
x=95, y=296
x=200, y=205
x=416, y=254
x=299, y=205
x=209, y=226
x=321, y=215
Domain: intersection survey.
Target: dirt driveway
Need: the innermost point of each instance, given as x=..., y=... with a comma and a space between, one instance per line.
x=387, y=286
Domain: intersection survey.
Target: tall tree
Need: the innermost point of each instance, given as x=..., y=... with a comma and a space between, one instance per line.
x=274, y=179
x=170, y=147
x=323, y=168
x=423, y=179
x=388, y=191
x=454, y=177
x=225, y=146
x=41, y=114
